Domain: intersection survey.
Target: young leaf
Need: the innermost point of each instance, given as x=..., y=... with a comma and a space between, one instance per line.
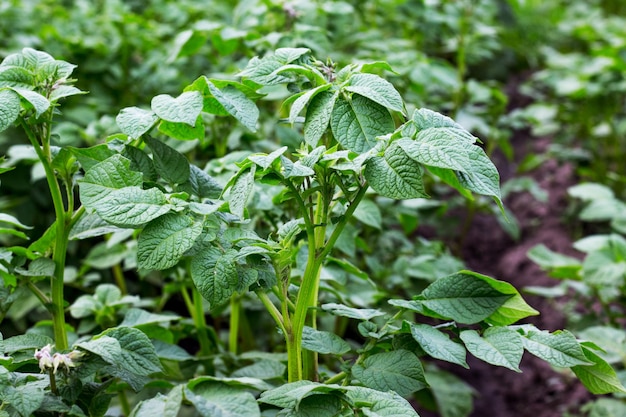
x=323, y=342
x=353, y=313
x=237, y=104
x=318, y=116
x=170, y=164
x=218, y=399
x=9, y=108
x=599, y=378
x=398, y=370
x=464, y=297
x=240, y=192
x=134, y=121
x=164, y=240
x=357, y=122
x=39, y=102
x=559, y=349
x=264, y=160
x=498, y=346
x=376, y=89
x=184, y=109
x=15, y=76
x=395, y=175
x=438, y=344
x=303, y=100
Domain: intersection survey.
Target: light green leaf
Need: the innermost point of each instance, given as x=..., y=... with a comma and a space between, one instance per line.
x=357, y=122
x=464, y=297
x=137, y=352
x=484, y=177
x=327, y=405
x=63, y=91
x=184, y=109
x=9, y=108
x=164, y=240
x=350, y=312
x=137, y=317
x=108, y=348
x=369, y=213
x=240, y=192
x=127, y=207
x=295, y=169
x=560, y=349
x=427, y=119
x=588, y=191
x=290, y=395
x=395, y=175
x=263, y=369
x=438, y=344
x=376, y=403
x=376, y=89
x=91, y=225
x=169, y=163
x=161, y=405
x=134, y=121
x=25, y=399
x=398, y=370
x=213, y=399
x=24, y=342
x=548, y=259
x=612, y=340
x=104, y=256
x=39, y=102
x=15, y=76
x=498, y=346
x=436, y=147
x=107, y=176
x=318, y=116
x=303, y=100
x=323, y=342
x=265, y=160
x=182, y=131
x=237, y=104
x=452, y=395
x=7, y=218
x=40, y=267
x=215, y=275
x=600, y=377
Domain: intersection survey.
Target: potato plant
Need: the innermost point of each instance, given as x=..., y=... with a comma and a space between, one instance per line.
x=207, y=236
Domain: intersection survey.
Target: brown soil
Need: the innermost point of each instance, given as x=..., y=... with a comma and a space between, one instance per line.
x=539, y=391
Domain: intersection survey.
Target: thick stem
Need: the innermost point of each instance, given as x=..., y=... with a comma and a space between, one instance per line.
x=200, y=322
x=63, y=221
x=235, y=313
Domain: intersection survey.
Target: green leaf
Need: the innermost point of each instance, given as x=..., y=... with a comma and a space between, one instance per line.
x=600, y=377
x=14, y=76
x=24, y=342
x=140, y=161
x=212, y=399
x=436, y=147
x=40, y=267
x=318, y=116
x=548, y=259
x=240, y=192
x=108, y=348
x=395, y=175
x=290, y=395
x=134, y=121
x=300, y=103
x=398, y=370
x=484, y=177
x=215, y=275
x=88, y=157
x=164, y=240
x=184, y=109
x=438, y=344
x=376, y=403
x=202, y=184
x=137, y=317
x=107, y=176
x=263, y=369
x=369, y=213
x=498, y=346
x=182, y=131
x=137, y=352
x=587, y=191
x=127, y=207
x=350, y=312
x=63, y=91
x=452, y=395
x=323, y=342
x=560, y=349
x=161, y=405
x=612, y=341
x=171, y=165
x=464, y=297
x=376, y=89
x=91, y=225
x=39, y=102
x=25, y=399
x=327, y=405
x=7, y=218
x=237, y=104
x=265, y=160
x=357, y=122
x=9, y=108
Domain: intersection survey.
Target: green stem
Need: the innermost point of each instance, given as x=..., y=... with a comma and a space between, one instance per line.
x=235, y=312
x=274, y=312
x=53, y=382
x=63, y=220
x=124, y=404
x=200, y=322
